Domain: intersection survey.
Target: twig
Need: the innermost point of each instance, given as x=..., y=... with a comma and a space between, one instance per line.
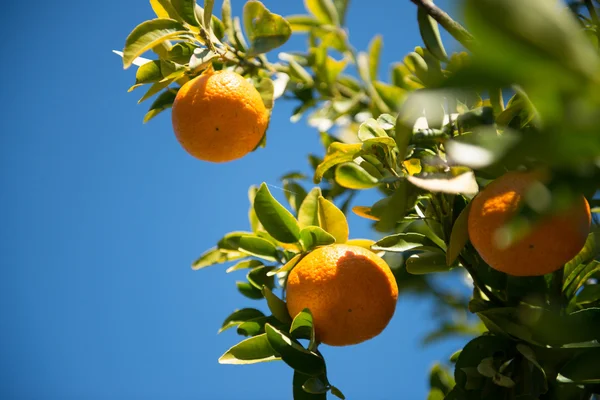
x=454, y=28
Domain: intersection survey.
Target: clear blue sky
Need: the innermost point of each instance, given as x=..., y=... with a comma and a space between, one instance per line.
x=102, y=216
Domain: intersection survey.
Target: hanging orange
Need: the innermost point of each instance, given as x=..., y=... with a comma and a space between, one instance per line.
x=552, y=242
x=219, y=116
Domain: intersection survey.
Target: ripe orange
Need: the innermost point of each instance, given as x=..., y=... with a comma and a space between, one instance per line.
x=350, y=291
x=219, y=116
x=551, y=243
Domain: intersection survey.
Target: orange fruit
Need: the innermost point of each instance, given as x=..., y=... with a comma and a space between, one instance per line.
x=550, y=244
x=219, y=116
x=350, y=291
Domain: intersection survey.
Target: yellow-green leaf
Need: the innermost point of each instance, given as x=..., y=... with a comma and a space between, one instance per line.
x=333, y=220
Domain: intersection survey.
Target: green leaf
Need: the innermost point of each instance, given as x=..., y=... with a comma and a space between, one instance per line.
x=293, y=354
x=247, y=264
x=582, y=275
x=164, y=9
x=401, y=242
x=255, y=327
x=475, y=351
x=266, y=90
x=250, y=351
x=149, y=34
x=352, y=176
x=590, y=294
x=288, y=266
x=186, y=9
x=573, y=271
x=208, y=11
x=294, y=193
x=148, y=73
x=333, y=220
x=259, y=277
x=459, y=236
x=302, y=23
x=435, y=394
x=314, y=385
x=403, y=132
x=163, y=102
x=374, y=55
x=583, y=368
x=259, y=247
x=240, y=316
x=323, y=10
x=462, y=184
x=275, y=218
x=276, y=305
x=391, y=209
x=386, y=121
x=214, y=256
x=337, y=392
x=337, y=153
x=303, y=328
x=430, y=33
x=370, y=129
x=265, y=30
x=248, y=290
x=427, y=263
x=314, y=236
x=298, y=388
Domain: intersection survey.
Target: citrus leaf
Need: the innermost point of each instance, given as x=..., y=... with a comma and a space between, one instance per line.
x=258, y=277
x=163, y=102
x=275, y=218
x=303, y=328
x=259, y=247
x=207, y=15
x=248, y=290
x=589, y=270
x=337, y=392
x=186, y=9
x=337, y=153
x=333, y=220
x=574, y=269
x=288, y=266
x=276, y=305
x=250, y=351
x=364, y=212
x=266, y=90
x=370, y=129
x=426, y=263
x=300, y=393
x=459, y=236
x=255, y=326
x=461, y=184
x=400, y=242
x=352, y=176
x=293, y=354
x=314, y=385
x=240, y=316
x=323, y=10
x=313, y=236
x=149, y=34
x=214, y=256
x=374, y=55
x=247, y=264
x=583, y=368
x=391, y=209
x=430, y=32
x=302, y=23
x=164, y=9
x=265, y=30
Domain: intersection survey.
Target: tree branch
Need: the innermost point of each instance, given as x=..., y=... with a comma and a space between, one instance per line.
x=455, y=29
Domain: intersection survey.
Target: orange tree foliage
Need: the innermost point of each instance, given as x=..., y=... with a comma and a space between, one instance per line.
x=523, y=94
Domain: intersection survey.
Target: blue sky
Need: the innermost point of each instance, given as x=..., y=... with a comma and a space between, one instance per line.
x=102, y=216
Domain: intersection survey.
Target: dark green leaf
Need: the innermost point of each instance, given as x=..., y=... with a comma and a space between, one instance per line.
x=186, y=9
x=302, y=327
x=253, y=350
x=426, y=263
x=300, y=393
x=148, y=35
x=265, y=30
x=248, y=290
x=583, y=368
x=255, y=326
x=314, y=385
x=293, y=354
x=275, y=218
x=295, y=194
x=459, y=236
x=240, y=316
x=259, y=277
x=277, y=306
x=337, y=392
x=163, y=102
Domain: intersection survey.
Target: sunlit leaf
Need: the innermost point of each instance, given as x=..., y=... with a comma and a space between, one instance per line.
x=240, y=316
x=333, y=220
x=266, y=31
x=250, y=351
x=293, y=354
x=275, y=218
